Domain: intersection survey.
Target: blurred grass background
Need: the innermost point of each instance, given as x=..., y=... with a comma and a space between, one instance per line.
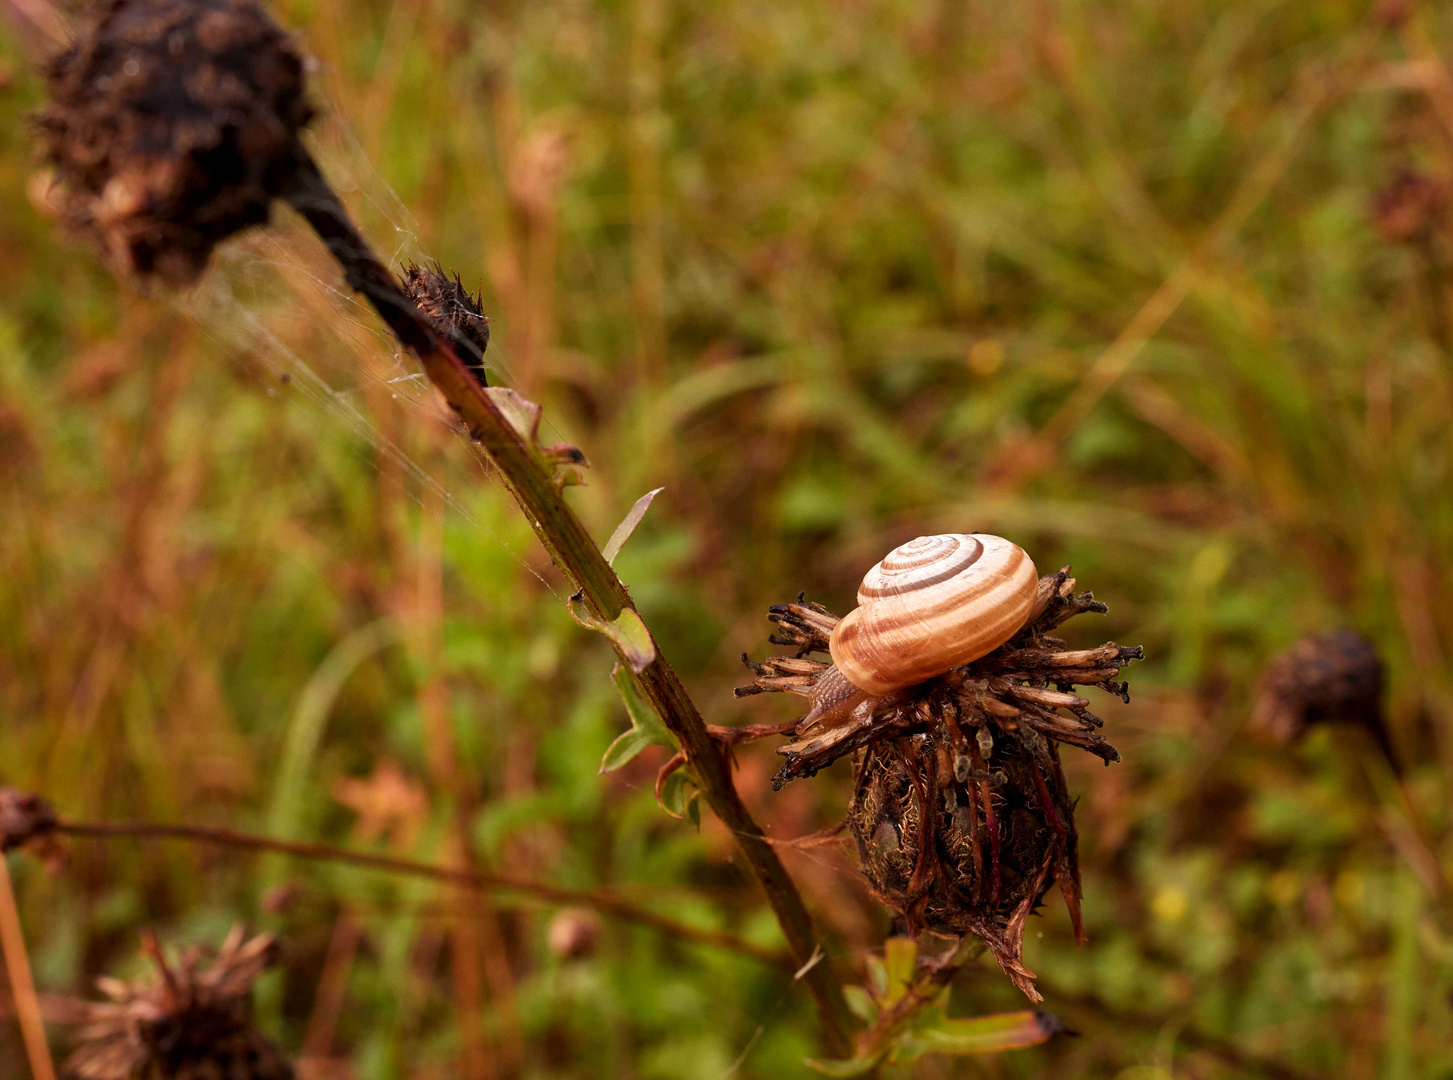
x=1159, y=289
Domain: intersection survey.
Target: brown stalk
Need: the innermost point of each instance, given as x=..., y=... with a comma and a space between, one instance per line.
x=604, y=903
x=22, y=986
x=572, y=549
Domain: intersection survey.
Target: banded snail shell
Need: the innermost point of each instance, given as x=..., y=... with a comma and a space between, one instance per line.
x=931, y=605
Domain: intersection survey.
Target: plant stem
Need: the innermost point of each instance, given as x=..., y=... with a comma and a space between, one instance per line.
x=22, y=986
x=576, y=554
x=607, y=905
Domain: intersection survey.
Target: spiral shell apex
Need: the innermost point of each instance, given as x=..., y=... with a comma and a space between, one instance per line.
x=931, y=605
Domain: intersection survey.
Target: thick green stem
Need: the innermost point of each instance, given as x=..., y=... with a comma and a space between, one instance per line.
x=578, y=556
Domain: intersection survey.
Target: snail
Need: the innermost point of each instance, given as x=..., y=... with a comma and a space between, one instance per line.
x=929, y=606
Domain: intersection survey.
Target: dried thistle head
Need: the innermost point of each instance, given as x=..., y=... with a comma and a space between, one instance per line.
x=24, y=817
x=1335, y=677
x=172, y=124
x=961, y=812
x=185, y=1023
x=28, y=821
x=455, y=312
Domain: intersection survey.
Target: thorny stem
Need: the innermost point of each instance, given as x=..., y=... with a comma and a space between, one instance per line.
x=607, y=905
x=577, y=555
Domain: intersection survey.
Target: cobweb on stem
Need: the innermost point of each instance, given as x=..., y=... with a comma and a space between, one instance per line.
x=274, y=295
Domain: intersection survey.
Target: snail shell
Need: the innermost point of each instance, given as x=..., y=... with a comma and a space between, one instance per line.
x=931, y=605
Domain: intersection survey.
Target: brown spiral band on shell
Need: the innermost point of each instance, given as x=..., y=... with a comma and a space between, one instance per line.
x=931, y=605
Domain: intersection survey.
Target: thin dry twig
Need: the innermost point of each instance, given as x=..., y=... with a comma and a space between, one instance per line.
x=606, y=904
x=22, y=986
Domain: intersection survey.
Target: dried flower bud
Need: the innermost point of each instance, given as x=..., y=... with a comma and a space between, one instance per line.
x=574, y=933
x=24, y=817
x=1325, y=678
x=172, y=125
x=454, y=311
x=184, y=1024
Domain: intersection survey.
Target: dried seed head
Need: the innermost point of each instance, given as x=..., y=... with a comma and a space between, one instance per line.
x=23, y=817
x=960, y=809
x=454, y=311
x=172, y=125
x=184, y=1024
x=970, y=855
x=1325, y=678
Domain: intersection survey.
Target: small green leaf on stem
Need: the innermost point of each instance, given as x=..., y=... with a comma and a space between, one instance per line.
x=900, y=961
x=627, y=633
x=628, y=526
x=674, y=794
x=861, y=1002
x=851, y=1067
x=562, y=462
x=646, y=727
x=978, y=1035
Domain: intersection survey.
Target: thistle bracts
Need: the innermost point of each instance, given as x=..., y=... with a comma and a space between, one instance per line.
x=960, y=809
x=187, y=1022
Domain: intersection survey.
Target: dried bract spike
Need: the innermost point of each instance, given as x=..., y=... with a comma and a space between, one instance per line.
x=172, y=125
x=454, y=311
x=184, y=1023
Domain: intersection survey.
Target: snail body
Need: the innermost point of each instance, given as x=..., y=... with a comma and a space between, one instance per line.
x=833, y=700
x=932, y=604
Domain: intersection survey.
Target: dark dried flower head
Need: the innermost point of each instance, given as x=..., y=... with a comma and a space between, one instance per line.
x=172, y=125
x=24, y=817
x=184, y=1023
x=1325, y=678
x=960, y=809
x=454, y=311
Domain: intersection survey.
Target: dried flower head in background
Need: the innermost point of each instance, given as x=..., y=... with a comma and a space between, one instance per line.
x=28, y=821
x=24, y=817
x=574, y=933
x=184, y=1023
x=172, y=125
x=1325, y=678
x=455, y=312
x=960, y=809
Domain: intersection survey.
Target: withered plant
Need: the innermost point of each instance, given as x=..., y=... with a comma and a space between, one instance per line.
x=961, y=813
x=186, y=1021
